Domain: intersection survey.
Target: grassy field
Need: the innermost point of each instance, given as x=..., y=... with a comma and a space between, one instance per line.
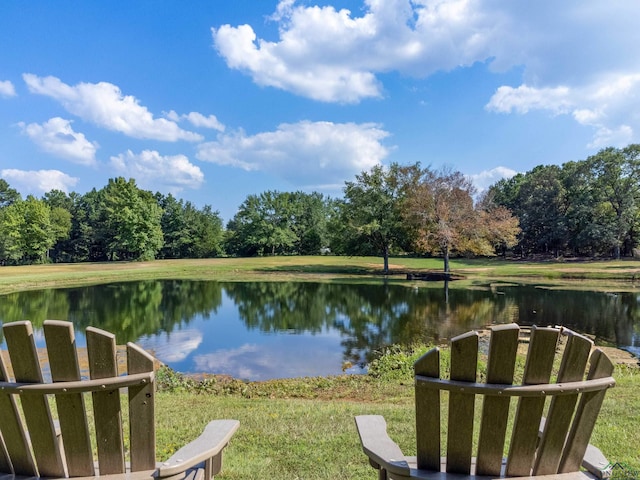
x=303, y=428
x=618, y=275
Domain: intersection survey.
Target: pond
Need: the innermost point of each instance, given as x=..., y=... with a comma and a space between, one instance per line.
x=265, y=330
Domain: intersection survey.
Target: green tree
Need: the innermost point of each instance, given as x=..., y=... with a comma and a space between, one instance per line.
x=205, y=228
x=61, y=205
x=278, y=223
x=371, y=208
x=26, y=231
x=129, y=221
x=543, y=216
x=8, y=195
x=11, y=243
x=617, y=186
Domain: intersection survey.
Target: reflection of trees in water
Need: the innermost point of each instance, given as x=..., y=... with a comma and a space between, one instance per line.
x=130, y=309
x=367, y=317
x=609, y=317
x=280, y=306
x=34, y=305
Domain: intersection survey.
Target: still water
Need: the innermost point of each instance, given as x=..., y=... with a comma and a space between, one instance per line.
x=263, y=330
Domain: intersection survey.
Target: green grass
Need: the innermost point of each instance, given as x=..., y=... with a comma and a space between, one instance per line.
x=618, y=275
x=304, y=428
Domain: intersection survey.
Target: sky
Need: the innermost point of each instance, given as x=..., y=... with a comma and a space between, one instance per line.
x=215, y=100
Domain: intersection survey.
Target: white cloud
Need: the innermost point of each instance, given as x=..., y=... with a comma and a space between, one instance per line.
x=609, y=105
x=525, y=98
x=7, y=89
x=104, y=104
x=38, y=181
x=58, y=138
x=331, y=55
x=483, y=180
x=197, y=120
x=306, y=153
x=154, y=171
x=574, y=56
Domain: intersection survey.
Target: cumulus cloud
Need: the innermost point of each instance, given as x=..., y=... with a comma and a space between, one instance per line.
x=608, y=105
x=307, y=153
x=197, y=120
x=525, y=98
x=38, y=182
x=154, y=171
x=7, y=89
x=104, y=104
x=58, y=138
x=574, y=56
x=334, y=56
x=483, y=180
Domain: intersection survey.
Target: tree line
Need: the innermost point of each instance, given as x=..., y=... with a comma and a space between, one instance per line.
x=589, y=207
x=582, y=208
x=117, y=222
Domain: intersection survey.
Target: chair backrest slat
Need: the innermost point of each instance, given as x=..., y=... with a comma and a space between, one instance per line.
x=561, y=409
x=586, y=415
x=26, y=368
x=503, y=347
x=141, y=412
x=537, y=445
x=524, y=439
x=428, y=412
x=464, y=360
x=63, y=362
x=101, y=349
x=15, y=448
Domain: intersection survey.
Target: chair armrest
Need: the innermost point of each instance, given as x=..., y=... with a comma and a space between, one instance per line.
x=596, y=463
x=380, y=449
x=210, y=443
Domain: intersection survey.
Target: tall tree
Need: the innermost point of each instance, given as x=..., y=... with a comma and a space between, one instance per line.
x=617, y=185
x=8, y=195
x=371, y=207
x=129, y=221
x=274, y=223
x=439, y=205
x=26, y=232
x=543, y=205
x=61, y=205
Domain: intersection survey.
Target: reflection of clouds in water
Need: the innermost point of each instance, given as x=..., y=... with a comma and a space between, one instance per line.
x=172, y=347
x=262, y=362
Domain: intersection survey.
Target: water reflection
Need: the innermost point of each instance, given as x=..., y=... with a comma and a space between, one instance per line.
x=259, y=330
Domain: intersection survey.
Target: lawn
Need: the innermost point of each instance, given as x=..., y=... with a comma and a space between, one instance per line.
x=603, y=274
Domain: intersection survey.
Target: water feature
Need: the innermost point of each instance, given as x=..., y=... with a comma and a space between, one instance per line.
x=261, y=330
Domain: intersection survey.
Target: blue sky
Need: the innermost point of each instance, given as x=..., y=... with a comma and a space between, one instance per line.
x=216, y=100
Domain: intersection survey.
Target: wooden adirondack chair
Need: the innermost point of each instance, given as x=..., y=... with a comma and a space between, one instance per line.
x=551, y=448
x=38, y=440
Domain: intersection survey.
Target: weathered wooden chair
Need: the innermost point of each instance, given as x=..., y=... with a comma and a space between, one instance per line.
x=556, y=446
x=43, y=440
